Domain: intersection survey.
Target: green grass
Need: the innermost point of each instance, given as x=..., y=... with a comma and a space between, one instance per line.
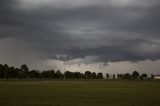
x=80, y=93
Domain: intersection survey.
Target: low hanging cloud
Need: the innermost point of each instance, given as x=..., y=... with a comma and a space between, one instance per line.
x=108, y=30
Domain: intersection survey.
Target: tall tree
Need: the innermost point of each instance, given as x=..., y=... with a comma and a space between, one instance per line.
x=143, y=76
x=25, y=71
x=59, y=75
x=94, y=75
x=107, y=76
x=12, y=72
x=2, y=71
x=6, y=71
x=114, y=76
x=88, y=75
x=100, y=75
x=135, y=75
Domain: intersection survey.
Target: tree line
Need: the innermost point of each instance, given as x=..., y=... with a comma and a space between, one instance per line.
x=135, y=75
x=23, y=72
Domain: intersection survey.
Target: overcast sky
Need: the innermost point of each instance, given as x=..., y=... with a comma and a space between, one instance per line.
x=98, y=35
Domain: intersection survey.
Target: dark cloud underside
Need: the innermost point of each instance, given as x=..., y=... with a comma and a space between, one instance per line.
x=112, y=31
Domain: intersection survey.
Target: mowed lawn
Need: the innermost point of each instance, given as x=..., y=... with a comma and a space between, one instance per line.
x=80, y=93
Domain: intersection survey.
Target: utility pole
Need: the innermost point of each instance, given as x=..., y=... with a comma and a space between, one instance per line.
x=65, y=58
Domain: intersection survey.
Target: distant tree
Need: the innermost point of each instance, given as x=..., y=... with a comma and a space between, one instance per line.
x=45, y=74
x=114, y=76
x=120, y=76
x=12, y=72
x=18, y=71
x=2, y=71
x=100, y=75
x=6, y=71
x=24, y=67
x=49, y=74
x=127, y=76
x=78, y=75
x=82, y=76
x=73, y=75
x=69, y=75
x=143, y=76
x=107, y=76
x=152, y=76
x=34, y=74
x=135, y=75
x=59, y=75
x=88, y=75
x=25, y=71
x=52, y=73
x=94, y=75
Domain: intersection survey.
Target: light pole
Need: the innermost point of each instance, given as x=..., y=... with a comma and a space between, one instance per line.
x=65, y=58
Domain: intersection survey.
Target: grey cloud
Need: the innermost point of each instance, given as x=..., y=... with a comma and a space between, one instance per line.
x=128, y=31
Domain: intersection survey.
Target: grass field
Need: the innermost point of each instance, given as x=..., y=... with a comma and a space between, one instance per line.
x=80, y=93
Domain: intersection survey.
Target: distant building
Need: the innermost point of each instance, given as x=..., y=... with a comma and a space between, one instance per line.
x=157, y=77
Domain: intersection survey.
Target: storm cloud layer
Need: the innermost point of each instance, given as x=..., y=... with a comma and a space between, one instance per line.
x=108, y=30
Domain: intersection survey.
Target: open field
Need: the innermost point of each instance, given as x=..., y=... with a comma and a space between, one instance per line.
x=80, y=93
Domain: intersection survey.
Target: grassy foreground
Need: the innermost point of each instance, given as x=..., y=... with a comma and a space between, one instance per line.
x=80, y=93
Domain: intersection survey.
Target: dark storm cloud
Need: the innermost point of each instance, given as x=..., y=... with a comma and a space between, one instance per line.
x=112, y=31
